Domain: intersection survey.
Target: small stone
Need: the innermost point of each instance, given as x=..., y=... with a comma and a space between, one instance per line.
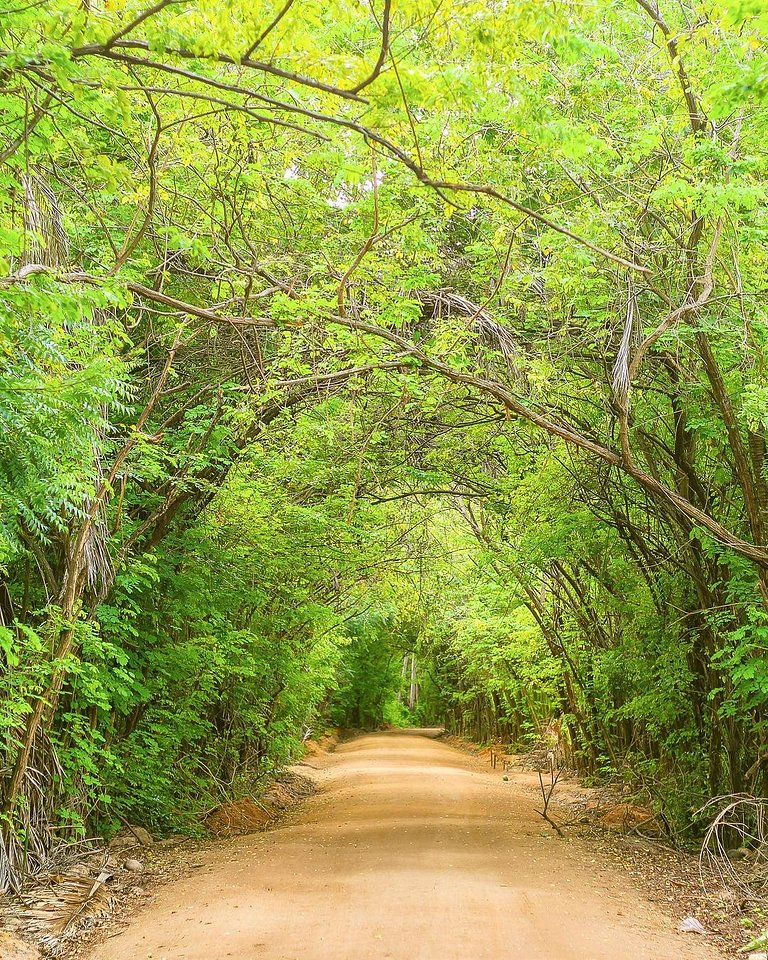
x=758, y=956
x=142, y=835
x=691, y=925
x=135, y=866
x=131, y=836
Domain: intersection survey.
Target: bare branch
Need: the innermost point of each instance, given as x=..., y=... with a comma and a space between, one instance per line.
x=691, y=306
x=137, y=21
x=534, y=215
x=696, y=116
x=268, y=29
x=379, y=65
x=758, y=553
x=109, y=53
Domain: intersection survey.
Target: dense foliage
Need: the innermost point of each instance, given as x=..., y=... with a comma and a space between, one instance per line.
x=416, y=344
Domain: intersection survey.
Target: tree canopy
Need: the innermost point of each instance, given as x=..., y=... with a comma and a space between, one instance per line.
x=339, y=342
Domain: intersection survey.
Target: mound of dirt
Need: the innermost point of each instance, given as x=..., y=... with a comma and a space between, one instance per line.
x=249, y=815
x=325, y=744
x=288, y=790
x=278, y=797
x=236, y=818
x=626, y=817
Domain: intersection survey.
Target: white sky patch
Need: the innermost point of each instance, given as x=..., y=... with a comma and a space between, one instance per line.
x=341, y=200
x=346, y=195
x=368, y=184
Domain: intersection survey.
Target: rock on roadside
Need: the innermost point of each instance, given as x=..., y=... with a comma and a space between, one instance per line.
x=131, y=836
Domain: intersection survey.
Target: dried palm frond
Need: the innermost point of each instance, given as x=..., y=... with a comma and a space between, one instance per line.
x=621, y=384
x=99, y=570
x=25, y=851
x=46, y=240
x=56, y=909
x=491, y=334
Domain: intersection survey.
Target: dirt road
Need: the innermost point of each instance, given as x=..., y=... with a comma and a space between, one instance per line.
x=409, y=851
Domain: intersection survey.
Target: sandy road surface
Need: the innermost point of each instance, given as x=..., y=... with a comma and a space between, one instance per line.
x=409, y=851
